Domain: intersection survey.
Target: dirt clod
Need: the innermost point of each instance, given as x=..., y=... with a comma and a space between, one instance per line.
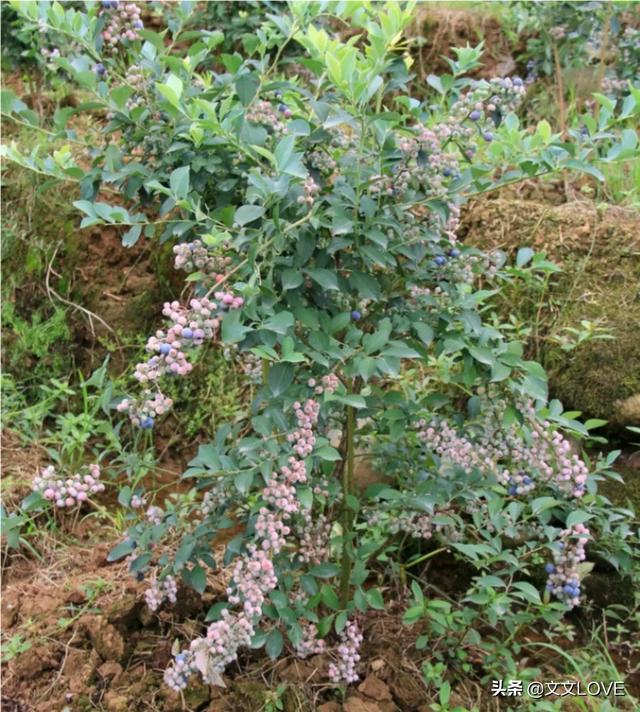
x=105, y=638
x=374, y=688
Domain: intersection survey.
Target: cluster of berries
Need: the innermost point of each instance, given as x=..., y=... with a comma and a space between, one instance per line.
x=190, y=327
x=517, y=461
x=195, y=257
x=313, y=532
x=159, y=591
x=328, y=384
x=71, y=491
x=254, y=575
x=309, y=190
x=123, y=22
x=143, y=412
x=322, y=161
x=344, y=670
x=564, y=577
x=262, y=112
x=154, y=514
x=248, y=363
x=309, y=643
x=50, y=54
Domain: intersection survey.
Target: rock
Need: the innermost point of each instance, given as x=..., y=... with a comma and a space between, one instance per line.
x=77, y=597
x=627, y=411
x=407, y=690
x=124, y=612
x=79, y=669
x=33, y=661
x=105, y=638
x=110, y=671
x=357, y=704
x=115, y=701
x=99, y=555
x=377, y=664
x=10, y=608
x=330, y=707
x=37, y=604
x=374, y=688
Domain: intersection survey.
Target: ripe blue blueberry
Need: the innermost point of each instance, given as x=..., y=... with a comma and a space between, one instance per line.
x=282, y=108
x=440, y=260
x=187, y=333
x=527, y=480
x=517, y=82
x=446, y=172
x=549, y=568
x=164, y=349
x=454, y=252
x=487, y=136
x=100, y=69
x=147, y=423
x=513, y=489
x=356, y=315
x=475, y=115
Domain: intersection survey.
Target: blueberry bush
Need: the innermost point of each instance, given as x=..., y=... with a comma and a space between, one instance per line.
x=314, y=204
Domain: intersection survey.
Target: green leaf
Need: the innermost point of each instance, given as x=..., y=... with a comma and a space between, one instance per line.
x=279, y=323
x=280, y=378
x=248, y=213
x=324, y=277
x=232, y=330
x=328, y=453
x=198, y=579
x=325, y=570
x=374, y=599
x=274, y=644
x=246, y=88
x=529, y=593
x=284, y=151
x=291, y=278
x=179, y=182
x=352, y=399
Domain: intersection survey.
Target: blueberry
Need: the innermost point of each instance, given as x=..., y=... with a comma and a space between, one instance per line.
x=568, y=588
x=187, y=333
x=454, y=253
x=100, y=69
x=487, y=136
x=440, y=260
x=165, y=348
x=475, y=115
x=180, y=658
x=513, y=489
x=138, y=24
x=549, y=568
x=147, y=423
x=282, y=108
x=527, y=480
x=446, y=172
x=356, y=315
x=139, y=576
x=517, y=82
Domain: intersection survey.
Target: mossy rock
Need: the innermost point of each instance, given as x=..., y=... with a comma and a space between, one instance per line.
x=598, y=249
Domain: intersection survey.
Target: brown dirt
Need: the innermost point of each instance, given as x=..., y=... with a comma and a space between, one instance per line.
x=440, y=27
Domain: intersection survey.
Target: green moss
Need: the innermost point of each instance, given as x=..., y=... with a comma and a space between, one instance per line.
x=598, y=249
x=215, y=392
